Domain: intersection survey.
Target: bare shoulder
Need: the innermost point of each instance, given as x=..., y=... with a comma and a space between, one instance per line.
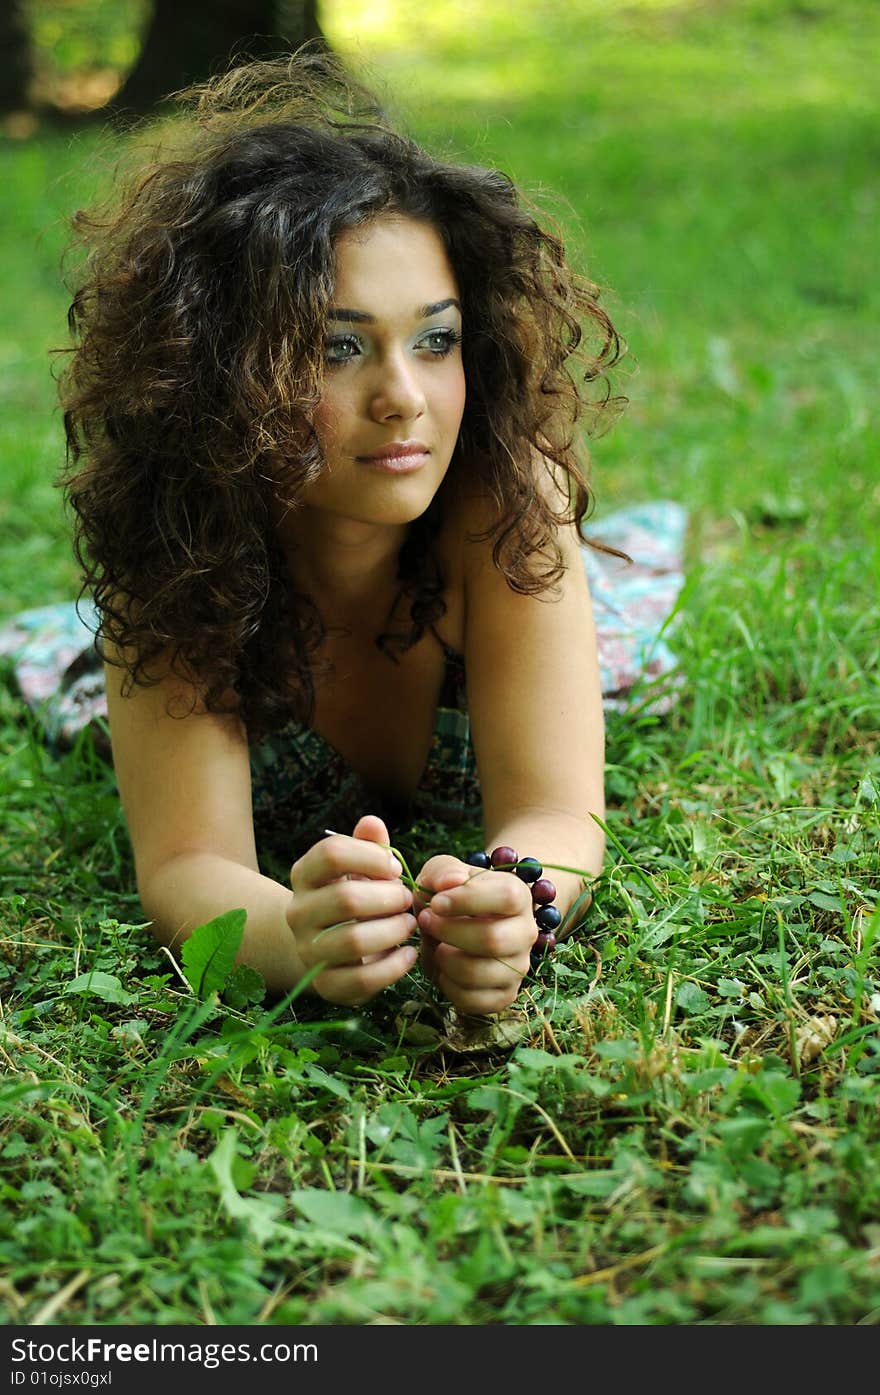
x=465, y=549
x=532, y=672
x=482, y=514
x=470, y=515
x=183, y=773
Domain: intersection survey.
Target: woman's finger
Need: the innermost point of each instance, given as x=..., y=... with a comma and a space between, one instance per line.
x=468, y=972
x=356, y=984
x=439, y=874
x=339, y=856
x=352, y=942
x=360, y=899
x=371, y=829
x=487, y=939
x=487, y=893
x=479, y=1002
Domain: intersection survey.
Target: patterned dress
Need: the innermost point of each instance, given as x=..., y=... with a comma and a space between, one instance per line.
x=301, y=785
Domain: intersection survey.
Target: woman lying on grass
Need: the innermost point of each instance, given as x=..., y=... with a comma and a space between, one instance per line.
x=321, y=421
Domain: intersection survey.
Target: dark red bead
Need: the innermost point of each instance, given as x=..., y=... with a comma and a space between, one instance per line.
x=548, y=918
x=505, y=858
x=528, y=869
x=544, y=945
x=478, y=859
x=543, y=892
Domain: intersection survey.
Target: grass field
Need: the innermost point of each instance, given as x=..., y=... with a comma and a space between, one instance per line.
x=688, y=1130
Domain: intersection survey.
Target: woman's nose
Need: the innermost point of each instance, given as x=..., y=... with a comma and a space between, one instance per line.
x=397, y=391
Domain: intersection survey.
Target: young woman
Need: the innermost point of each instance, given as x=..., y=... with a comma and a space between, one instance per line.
x=322, y=416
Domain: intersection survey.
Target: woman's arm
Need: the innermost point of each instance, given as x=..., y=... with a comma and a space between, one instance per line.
x=536, y=715
x=185, y=787
x=538, y=731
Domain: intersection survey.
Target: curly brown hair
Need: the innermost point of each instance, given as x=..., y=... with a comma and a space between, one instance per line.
x=199, y=327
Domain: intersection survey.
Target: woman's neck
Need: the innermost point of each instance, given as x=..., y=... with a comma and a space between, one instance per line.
x=347, y=568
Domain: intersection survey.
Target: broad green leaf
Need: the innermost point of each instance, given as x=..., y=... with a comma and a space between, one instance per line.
x=338, y=1212
x=690, y=997
x=106, y=986
x=256, y=1213
x=521, y=1208
x=209, y=953
x=695, y=1082
x=824, y=901
x=595, y=1085
x=868, y=790
x=778, y=1093
x=813, y=1220
x=599, y=1182
x=826, y=1281
x=332, y=1083
x=621, y=1049
x=730, y=988
x=535, y=1059
x=486, y=1097
x=418, y=1143
x=705, y=842
x=243, y=986
x=740, y=1137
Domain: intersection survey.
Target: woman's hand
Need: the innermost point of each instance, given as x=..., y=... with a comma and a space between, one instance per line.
x=477, y=931
x=351, y=913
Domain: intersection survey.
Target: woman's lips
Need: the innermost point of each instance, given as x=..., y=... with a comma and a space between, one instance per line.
x=399, y=458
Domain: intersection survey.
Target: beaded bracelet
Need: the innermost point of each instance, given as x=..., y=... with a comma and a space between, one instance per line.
x=529, y=870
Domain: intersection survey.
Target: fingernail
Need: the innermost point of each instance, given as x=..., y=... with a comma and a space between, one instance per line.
x=396, y=868
x=441, y=904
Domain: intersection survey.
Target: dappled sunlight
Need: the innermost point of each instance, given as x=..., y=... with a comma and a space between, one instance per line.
x=704, y=62
x=711, y=61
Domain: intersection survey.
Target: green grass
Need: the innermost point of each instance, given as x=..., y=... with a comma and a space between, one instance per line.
x=688, y=1130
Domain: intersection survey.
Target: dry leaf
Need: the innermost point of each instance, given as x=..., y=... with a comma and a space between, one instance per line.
x=445, y=1028
x=813, y=1036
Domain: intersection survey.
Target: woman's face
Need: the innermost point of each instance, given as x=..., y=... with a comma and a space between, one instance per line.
x=394, y=388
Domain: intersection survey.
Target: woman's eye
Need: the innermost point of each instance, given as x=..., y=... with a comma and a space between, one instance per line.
x=440, y=341
x=341, y=349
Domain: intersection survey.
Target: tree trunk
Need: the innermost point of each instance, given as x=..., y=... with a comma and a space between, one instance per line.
x=190, y=40
x=15, y=58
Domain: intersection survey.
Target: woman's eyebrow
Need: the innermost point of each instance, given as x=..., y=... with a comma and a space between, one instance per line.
x=428, y=310
x=360, y=317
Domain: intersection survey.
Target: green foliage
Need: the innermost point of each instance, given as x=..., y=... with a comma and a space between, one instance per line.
x=106, y=986
x=208, y=955
x=256, y=1214
x=688, y=1130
